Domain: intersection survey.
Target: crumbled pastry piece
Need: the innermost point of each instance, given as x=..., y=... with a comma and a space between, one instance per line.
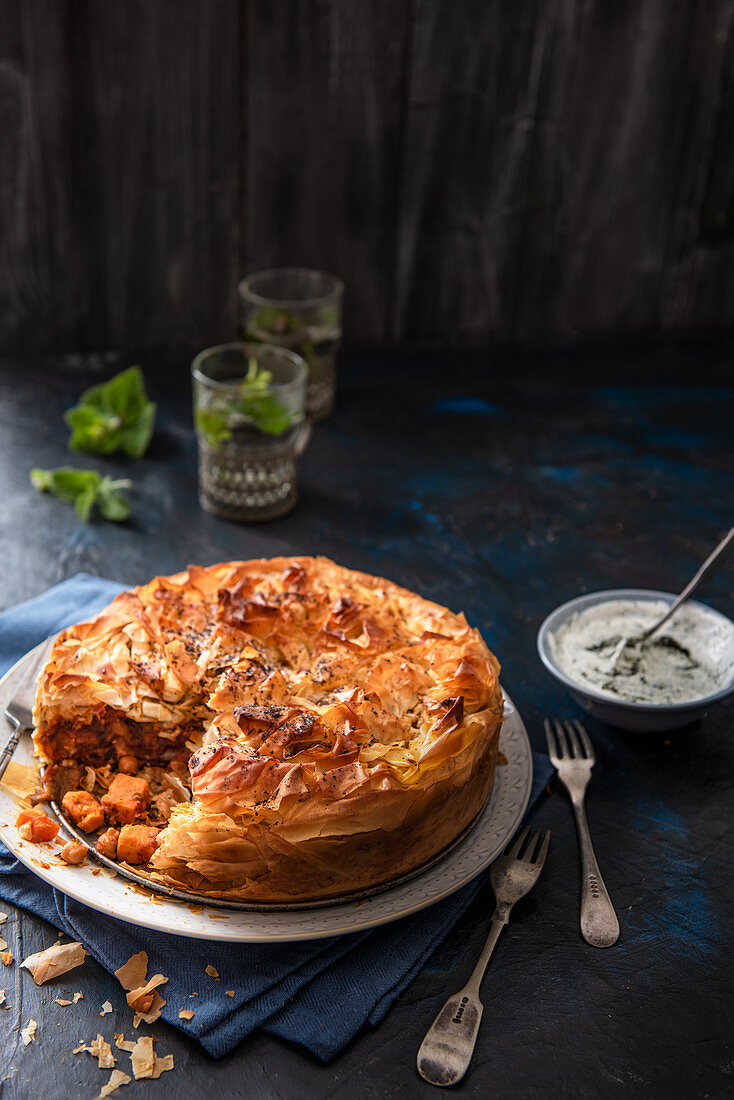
x=212, y=971
x=145, y=1061
x=3, y=918
x=22, y=779
x=7, y=957
x=78, y=997
x=73, y=853
x=117, y=1079
x=102, y=1051
x=132, y=973
x=186, y=1014
x=55, y=960
x=229, y=993
x=3, y=1002
x=123, y=1043
x=3, y=944
x=106, y=1007
x=143, y=996
x=141, y=999
x=36, y=826
x=28, y=1033
x=61, y=1001
x=84, y=810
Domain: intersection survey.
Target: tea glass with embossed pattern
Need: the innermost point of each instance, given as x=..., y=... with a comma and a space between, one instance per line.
x=251, y=428
x=300, y=309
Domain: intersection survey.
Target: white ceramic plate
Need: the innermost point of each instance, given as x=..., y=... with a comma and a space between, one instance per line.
x=117, y=897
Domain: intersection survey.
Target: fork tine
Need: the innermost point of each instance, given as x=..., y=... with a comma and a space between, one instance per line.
x=550, y=739
x=517, y=844
x=561, y=739
x=529, y=853
x=585, y=741
x=543, y=850
x=573, y=741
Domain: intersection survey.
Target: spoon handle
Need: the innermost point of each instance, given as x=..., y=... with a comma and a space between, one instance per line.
x=713, y=563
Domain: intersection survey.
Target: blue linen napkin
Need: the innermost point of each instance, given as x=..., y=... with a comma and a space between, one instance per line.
x=317, y=993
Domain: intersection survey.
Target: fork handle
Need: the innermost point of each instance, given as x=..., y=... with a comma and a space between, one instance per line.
x=448, y=1045
x=10, y=748
x=599, y=924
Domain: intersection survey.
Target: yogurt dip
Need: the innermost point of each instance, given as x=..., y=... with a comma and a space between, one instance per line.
x=690, y=658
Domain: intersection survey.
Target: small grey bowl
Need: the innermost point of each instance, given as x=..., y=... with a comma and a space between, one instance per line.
x=639, y=717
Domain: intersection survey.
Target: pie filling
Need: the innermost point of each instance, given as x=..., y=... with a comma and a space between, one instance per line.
x=269, y=730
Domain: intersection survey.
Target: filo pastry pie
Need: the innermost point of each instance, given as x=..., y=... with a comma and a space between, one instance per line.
x=338, y=730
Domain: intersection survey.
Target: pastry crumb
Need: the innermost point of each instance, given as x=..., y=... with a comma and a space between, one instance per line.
x=145, y=1062
x=106, y=1007
x=117, y=1079
x=101, y=1050
x=55, y=960
x=229, y=993
x=212, y=971
x=28, y=1034
x=123, y=1043
x=186, y=1014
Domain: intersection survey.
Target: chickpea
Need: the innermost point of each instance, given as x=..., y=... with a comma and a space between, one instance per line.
x=73, y=852
x=128, y=764
x=107, y=843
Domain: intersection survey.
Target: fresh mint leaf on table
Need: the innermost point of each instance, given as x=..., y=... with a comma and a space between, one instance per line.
x=251, y=401
x=113, y=416
x=84, y=489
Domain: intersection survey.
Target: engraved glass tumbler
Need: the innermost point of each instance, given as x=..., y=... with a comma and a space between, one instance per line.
x=299, y=309
x=251, y=427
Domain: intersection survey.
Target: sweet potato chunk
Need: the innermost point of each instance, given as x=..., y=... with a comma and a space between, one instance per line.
x=35, y=826
x=107, y=843
x=83, y=809
x=137, y=843
x=126, y=799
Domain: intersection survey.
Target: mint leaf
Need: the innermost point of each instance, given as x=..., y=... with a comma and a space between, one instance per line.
x=114, y=415
x=93, y=430
x=134, y=438
x=251, y=401
x=213, y=426
x=65, y=482
x=85, y=489
x=267, y=413
x=112, y=504
x=85, y=502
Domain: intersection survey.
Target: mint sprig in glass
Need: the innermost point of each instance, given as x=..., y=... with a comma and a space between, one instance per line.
x=299, y=309
x=249, y=414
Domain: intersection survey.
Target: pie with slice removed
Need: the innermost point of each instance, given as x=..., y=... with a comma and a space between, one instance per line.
x=334, y=730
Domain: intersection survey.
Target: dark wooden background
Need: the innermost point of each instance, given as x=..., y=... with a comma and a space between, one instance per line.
x=470, y=167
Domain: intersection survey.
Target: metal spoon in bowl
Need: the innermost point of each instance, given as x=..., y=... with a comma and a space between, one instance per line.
x=629, y=647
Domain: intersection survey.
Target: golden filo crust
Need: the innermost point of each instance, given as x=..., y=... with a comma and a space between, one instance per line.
x=340, y=730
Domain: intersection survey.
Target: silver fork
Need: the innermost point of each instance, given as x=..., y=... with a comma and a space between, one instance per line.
x=448, y=1046
x=19, y=709
x=572, y=755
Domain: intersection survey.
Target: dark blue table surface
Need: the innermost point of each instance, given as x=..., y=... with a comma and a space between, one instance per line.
x=501, y=483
